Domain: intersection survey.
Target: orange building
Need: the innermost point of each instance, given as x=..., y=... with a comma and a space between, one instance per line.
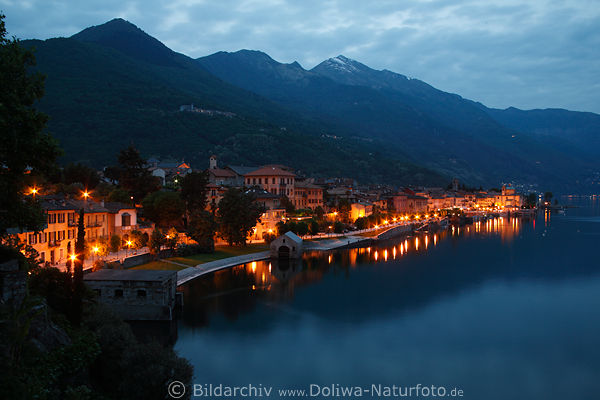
x=60, y=232
x=307, y=195
x=274, y=179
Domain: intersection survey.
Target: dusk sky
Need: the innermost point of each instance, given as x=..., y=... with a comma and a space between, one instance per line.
x=527, y=54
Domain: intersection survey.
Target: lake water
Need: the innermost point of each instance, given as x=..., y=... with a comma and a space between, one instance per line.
x=508, y=309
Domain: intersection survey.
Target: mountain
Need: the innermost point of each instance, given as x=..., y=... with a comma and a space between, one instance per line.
x=112, y=85
x=444, y=131
x=579, y=129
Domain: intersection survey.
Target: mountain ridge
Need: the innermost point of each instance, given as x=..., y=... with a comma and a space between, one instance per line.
x=371, y=113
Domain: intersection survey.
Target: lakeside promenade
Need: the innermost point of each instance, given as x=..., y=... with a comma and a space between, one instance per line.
x=187, y=274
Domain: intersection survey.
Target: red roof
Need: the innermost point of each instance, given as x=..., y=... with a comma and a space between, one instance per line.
x=270, y=171
x=221, y=172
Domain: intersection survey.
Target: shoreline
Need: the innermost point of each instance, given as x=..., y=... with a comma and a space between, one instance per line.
x=188, y=274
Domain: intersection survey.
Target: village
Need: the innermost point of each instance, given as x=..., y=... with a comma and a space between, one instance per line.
x=118, y=231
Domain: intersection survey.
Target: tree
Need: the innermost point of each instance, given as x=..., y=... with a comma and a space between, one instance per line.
x=69, y=264
x=301, y=228
x=172, y=238
x=344, y=209
x=78, y=287
x=79, y=173
x=115, y=243
x=164, y=208
x=319, y=212
x=134, y=176
x=361, y=223
x=137, y=239
x=531, y=200
x=202, y=229
x=287, y=203
x=237, y=215
x=193, y=191
x=26, y=152
x=313, y=228
x=156, y=241
x=119, y=195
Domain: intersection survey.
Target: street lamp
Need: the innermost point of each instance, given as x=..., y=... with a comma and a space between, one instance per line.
x=128, y=243
x=96, y=250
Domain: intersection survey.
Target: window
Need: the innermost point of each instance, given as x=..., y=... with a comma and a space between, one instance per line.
x=61, y=218
x=273, y=181
x=32, y=239
x=125, y=219
x=51, y=218
x=118, y=292
x=42, y=257
x=260, y=181
x=141, y=293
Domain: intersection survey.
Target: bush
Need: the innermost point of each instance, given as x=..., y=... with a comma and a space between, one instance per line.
x=115, y=243
x=313, y=227
x=269, y=237
x=361, y=223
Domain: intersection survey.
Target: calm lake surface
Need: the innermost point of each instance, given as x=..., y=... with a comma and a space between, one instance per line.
x=508, y=309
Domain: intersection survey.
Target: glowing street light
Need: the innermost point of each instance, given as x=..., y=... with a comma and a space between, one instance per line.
x=33, y=191
x=128, y=243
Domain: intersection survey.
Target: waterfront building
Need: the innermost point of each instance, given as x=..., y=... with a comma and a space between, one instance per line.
x=307, y=195
x=136, y=294
x=288, y=245
x=275, y=179
x=60, y=232
x=360, y=210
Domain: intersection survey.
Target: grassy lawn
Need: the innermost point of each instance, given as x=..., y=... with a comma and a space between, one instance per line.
x=159, y=265
x=220, y=253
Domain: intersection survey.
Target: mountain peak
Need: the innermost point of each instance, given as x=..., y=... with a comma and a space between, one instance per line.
x=113, y=26
x=127, y=38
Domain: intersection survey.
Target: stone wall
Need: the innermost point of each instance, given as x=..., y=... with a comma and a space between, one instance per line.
x=13, y=283
x=396, y=231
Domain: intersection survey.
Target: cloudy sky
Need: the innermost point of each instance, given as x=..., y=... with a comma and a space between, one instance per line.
x=527, y=54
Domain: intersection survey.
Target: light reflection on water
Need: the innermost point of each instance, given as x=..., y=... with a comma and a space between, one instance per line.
x=498, y=301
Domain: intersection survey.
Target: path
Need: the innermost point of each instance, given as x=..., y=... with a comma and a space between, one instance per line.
x=190, y=273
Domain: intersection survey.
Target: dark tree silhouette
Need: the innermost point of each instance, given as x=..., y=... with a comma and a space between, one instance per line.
x=78, y=269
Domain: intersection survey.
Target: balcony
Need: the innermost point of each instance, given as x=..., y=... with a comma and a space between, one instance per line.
x=94, y=224
x=54, y=243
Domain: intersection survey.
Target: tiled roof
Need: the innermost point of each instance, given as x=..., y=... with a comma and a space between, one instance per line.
x=241, y=170
x=115, y=207
x=307, y=185
x=269, y=171
x=221, y=173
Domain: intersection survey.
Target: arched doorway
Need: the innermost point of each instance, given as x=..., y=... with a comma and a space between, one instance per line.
x=283, y=252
